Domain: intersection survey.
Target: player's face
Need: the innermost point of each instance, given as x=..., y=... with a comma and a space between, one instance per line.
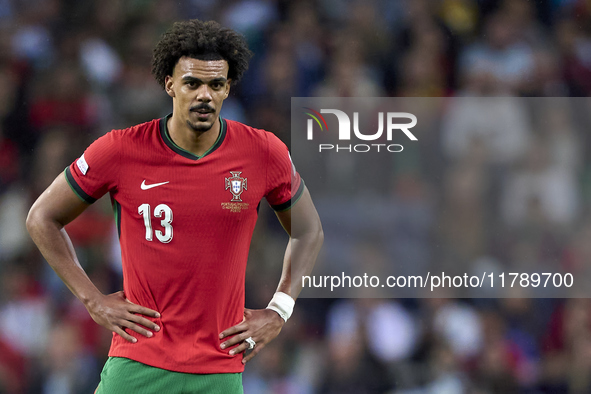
x=198, y=89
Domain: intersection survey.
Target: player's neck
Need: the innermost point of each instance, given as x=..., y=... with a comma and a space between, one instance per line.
x=196, y=142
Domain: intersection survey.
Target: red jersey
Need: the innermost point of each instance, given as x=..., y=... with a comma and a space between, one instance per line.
x=185, y=225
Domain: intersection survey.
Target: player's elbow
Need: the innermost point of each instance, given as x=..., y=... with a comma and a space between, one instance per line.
x=317, y=234
x=311, y=234
x=33, y=219
x=319, y=239
x=36, y=219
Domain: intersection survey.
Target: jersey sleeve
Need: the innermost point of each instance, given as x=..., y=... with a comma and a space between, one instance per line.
x=284, y=184
x=95, y=172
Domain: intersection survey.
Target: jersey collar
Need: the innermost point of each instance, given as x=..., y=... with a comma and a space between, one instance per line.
x=185, y=153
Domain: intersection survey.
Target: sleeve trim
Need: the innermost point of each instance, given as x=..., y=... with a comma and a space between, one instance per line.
x=291, y=202
x=76, y=188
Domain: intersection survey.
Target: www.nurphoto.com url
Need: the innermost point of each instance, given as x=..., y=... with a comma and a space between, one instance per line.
x=489, y=280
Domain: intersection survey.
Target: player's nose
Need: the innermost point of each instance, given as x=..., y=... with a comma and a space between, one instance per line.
x=204, y=93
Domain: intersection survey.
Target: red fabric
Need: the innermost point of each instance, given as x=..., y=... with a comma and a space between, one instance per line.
x=196, y=280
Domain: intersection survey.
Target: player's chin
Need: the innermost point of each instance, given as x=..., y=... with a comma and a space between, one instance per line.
x=201, y=126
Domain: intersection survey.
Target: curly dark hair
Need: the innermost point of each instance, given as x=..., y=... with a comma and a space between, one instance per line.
x=200, y=40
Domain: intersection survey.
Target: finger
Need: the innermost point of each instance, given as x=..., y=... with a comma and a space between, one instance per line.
x=142, y=310
x=239, y=349
x=254, y=352
x=124, y=335
x=234, y=330
x=136, y=328
x=143, y=321
x=234, y=340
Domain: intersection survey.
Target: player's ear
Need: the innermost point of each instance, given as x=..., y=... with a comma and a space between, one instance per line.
x=228, y=83
x=168, y=86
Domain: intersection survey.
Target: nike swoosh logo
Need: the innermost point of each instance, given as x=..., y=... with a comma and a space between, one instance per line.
x=146, y=187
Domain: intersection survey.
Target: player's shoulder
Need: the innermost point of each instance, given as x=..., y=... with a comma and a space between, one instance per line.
x=251, y=134
x=137, y=132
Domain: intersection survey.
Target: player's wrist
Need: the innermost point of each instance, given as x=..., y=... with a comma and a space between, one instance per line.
x=275, y=316
x=91, y=299
x=283, y=304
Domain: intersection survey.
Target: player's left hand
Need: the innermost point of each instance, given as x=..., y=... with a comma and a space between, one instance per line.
x=263, y=325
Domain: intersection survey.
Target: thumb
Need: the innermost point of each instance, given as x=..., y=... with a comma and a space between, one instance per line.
x=122, y=295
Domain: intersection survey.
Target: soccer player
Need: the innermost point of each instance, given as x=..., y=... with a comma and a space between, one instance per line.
x=185, y=190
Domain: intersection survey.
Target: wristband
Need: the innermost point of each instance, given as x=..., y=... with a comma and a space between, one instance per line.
x=282, y=304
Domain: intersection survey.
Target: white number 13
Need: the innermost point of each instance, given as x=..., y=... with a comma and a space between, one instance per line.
x=165, y=237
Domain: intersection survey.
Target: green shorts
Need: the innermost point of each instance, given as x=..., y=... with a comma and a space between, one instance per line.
x=124, y=376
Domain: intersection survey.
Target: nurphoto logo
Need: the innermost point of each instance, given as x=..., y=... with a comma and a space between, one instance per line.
x=344, y=133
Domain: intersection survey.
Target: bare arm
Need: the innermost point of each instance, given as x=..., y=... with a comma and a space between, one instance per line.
x=56, y=207
x=306, y=238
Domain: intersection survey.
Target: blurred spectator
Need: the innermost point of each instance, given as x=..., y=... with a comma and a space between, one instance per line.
x=497, y=365
x=461, y=16
x=541, y=187
x=459, y=326
x=567, y=347
x=14, y=239
x=429, y=57
x=503, y=53
x=32, y=39
x=463, y=219
x=67, y=369
x=499, y=126
x=348, y=73
x=60, y=99
x=575, y=48
x=101, y=63
x=24, y=315
x=351, y=368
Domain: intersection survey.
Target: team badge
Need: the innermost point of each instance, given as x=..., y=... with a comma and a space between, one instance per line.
x=236, y=184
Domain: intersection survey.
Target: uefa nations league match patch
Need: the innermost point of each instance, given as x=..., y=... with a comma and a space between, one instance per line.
x=82, y=165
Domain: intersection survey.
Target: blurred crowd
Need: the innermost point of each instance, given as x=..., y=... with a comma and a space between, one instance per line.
x=517, y=193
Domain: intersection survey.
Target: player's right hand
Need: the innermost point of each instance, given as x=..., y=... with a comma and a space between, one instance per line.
x=115, y=313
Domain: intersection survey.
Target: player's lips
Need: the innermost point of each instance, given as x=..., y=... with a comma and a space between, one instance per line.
x=202, y=109
x=202, y=113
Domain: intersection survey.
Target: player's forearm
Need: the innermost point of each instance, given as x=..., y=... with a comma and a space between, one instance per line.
x=300, y=257
x=55, y=245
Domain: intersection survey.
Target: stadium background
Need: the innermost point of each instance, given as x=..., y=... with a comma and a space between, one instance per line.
x=70, y=70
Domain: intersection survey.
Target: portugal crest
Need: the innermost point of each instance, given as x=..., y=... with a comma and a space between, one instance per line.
x=236, y=184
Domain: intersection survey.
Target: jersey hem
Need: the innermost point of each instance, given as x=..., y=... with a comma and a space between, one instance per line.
x=203, y=371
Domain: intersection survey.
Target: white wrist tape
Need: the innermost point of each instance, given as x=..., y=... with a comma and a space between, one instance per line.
x=282, y=304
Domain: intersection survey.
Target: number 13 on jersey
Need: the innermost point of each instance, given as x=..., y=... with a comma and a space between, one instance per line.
x=166, y=222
